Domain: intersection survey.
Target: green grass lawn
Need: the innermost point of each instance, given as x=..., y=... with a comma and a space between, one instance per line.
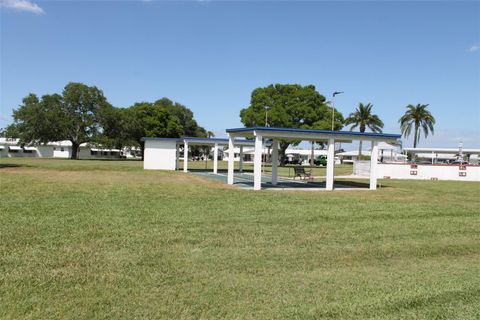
x=107, y=240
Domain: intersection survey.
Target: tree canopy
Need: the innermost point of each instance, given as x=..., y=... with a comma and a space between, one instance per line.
x=72, y=116
x=289, y=106
x=82, y=114
x=419, y=118
x=363, y=118
x=162, y=118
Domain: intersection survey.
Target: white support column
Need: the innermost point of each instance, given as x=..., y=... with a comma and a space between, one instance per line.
x=274, y=162
x=257, y=163
x=185, y=157
x=241, y=159
x=177, y=159
x=215, y=158
x=373, y=165
x=231, y=160
x=330, y=164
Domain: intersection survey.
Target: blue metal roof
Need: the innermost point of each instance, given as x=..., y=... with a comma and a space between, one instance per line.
x=314, y=131
x=164, y=139
x=209, y=139
x=216, y=139
x=196, y=139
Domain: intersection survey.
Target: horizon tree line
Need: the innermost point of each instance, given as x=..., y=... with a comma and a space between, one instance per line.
x=82, y=114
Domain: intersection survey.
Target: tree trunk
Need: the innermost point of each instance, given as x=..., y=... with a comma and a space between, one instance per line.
x=415, y=136
x=362, y=130
x=281, y=152
x=75, y=147
x=142, y=146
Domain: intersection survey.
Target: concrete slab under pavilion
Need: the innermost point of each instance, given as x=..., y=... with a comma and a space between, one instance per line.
x=246, y=181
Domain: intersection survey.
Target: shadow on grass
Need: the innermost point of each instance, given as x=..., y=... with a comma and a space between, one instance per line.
x=354, y=184
x=197, y=170
x=12, y=165
x=112, y=160
x=95, y=159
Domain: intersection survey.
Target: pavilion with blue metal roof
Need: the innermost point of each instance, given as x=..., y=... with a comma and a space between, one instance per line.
x=326, y=136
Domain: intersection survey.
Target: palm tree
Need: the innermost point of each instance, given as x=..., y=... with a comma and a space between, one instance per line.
x=419, y=117
x=363, y=118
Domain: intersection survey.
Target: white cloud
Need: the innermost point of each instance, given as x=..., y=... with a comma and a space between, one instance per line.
x=22, y=5
x=475, y=47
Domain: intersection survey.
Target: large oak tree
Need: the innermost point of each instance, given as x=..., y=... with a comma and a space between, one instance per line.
x=72, y=116
x=162, y=118
x=290, y=106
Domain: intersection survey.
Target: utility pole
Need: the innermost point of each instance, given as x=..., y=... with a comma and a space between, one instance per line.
x=333, y=108
x=266, y=115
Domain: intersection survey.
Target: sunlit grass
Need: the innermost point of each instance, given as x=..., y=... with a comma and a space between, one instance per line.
x=106, y=239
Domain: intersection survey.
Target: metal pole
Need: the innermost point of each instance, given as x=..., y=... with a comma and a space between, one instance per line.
x=333, y=108
x=333, y=112
x=266, y=115
x=312, y=160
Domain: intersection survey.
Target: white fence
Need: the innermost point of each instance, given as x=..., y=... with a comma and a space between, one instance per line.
x=428, y=171
x=419, y=171
x=361, y=168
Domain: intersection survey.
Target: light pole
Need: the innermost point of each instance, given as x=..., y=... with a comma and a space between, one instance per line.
x=333, y=108
x=266, y=115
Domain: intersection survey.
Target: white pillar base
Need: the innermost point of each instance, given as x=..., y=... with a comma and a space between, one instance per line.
x=215, y=158
x=241, y=159
x=274, y=162
x=257, y=163
x=185, y=157
x=330, y=164
x=373, y=165
x=231, y=160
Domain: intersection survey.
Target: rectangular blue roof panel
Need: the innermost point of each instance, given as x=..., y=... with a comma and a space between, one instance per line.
x=314, y=131
x=164, y=139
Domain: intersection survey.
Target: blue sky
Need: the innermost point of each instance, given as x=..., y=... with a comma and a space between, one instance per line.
x=210, y=55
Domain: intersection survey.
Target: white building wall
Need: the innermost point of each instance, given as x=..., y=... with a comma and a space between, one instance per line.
x=86, y=153
x=58, y=153
x=44, y=151
x=19, y=154
x=428, y=172
x=361, y=168
x=160, y=155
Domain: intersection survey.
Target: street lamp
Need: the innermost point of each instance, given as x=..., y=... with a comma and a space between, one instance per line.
x=333, y=108
x=266, y=115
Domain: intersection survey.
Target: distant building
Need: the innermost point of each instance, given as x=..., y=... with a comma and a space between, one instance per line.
x=386, y=153
x=444, y=155
x=11, y=148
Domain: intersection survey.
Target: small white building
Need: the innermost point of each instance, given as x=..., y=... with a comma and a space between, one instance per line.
x=164, y=153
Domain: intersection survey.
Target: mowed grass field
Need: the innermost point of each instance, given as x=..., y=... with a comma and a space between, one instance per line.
x=107, y=240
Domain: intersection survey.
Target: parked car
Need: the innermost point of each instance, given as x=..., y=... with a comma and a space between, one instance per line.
x=459, y=162
x=320, y=161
